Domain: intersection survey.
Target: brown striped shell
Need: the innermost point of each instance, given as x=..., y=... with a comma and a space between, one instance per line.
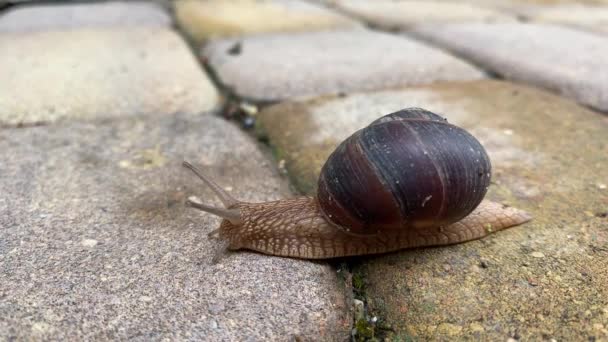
x=407, y=170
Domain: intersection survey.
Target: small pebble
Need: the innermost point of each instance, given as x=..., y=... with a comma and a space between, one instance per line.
x=89, y=242
x=235, y=49
x=601, y=186
x=145, y=299
x=215, y=309
x=248, y=108
x=248, y=122
x=359, y=309
x=532, y=282
x=40, y=328
x=281, y=166
x=537, y=255
x=476, y=327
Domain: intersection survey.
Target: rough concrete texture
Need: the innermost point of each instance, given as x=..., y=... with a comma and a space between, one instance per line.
x=395, y=15
x=594, y=18
x=48, y=76
x=541, y=281
x=96, y=243
x=203, y=20
x=564, y=60
x=278, y=66
x=512, y=6
x=62, y=16
x=523, y=5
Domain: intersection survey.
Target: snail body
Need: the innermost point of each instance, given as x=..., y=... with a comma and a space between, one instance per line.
x=408, y=179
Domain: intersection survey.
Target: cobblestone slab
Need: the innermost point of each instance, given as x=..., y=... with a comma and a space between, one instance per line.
x=57, y=16
x=403, y=14
x=564, y=60
x=279, y=66
x=543, y=280
x=528, y=4
x=96, y=243
x=94, y=73
x=594, y=18
x=202, y=20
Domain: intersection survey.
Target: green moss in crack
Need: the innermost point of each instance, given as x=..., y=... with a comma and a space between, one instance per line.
x=343, y=272
x=375, y=310
x=359, y=284
x=260, y=132
x=403, y=337
x=365, y=330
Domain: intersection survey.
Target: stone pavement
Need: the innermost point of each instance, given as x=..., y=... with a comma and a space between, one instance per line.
x=100, y=103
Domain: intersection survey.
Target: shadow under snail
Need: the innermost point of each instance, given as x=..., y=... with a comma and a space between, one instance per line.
x=409, y=179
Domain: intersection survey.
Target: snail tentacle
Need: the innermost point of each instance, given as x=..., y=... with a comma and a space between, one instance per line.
x=232, y=215
x=224, y=196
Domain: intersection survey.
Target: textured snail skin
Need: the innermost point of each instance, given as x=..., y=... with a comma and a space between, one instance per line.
x=296, y=228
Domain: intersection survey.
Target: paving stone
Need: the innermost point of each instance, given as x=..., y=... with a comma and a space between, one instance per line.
x=96, y=243
x=557, y=62
x=202, y=20
x=594, y=18
x=92, y=73
x=543, y=280
x=278, y=66
x=527, y=4
x=403, y=14
x=61, y=16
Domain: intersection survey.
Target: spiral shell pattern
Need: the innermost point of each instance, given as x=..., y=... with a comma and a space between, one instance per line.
x=407, y=170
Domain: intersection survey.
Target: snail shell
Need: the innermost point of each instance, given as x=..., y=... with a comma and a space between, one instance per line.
x=407, y=169
x=409, y=179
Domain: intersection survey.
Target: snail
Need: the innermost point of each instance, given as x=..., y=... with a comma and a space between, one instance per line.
x=408, y=179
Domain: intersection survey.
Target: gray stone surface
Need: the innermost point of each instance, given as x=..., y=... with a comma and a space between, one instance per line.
x=390, y=14
x=522, y=6
x=594, y=18
x=202, y=20
x=561, y=59
x=93, y=73
x=96, y=244
x=279, y=66
x=62, y=16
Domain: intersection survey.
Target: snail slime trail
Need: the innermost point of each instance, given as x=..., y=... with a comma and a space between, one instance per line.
x=408, y=179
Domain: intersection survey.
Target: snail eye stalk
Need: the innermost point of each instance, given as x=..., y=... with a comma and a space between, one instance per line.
x=232, y=215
